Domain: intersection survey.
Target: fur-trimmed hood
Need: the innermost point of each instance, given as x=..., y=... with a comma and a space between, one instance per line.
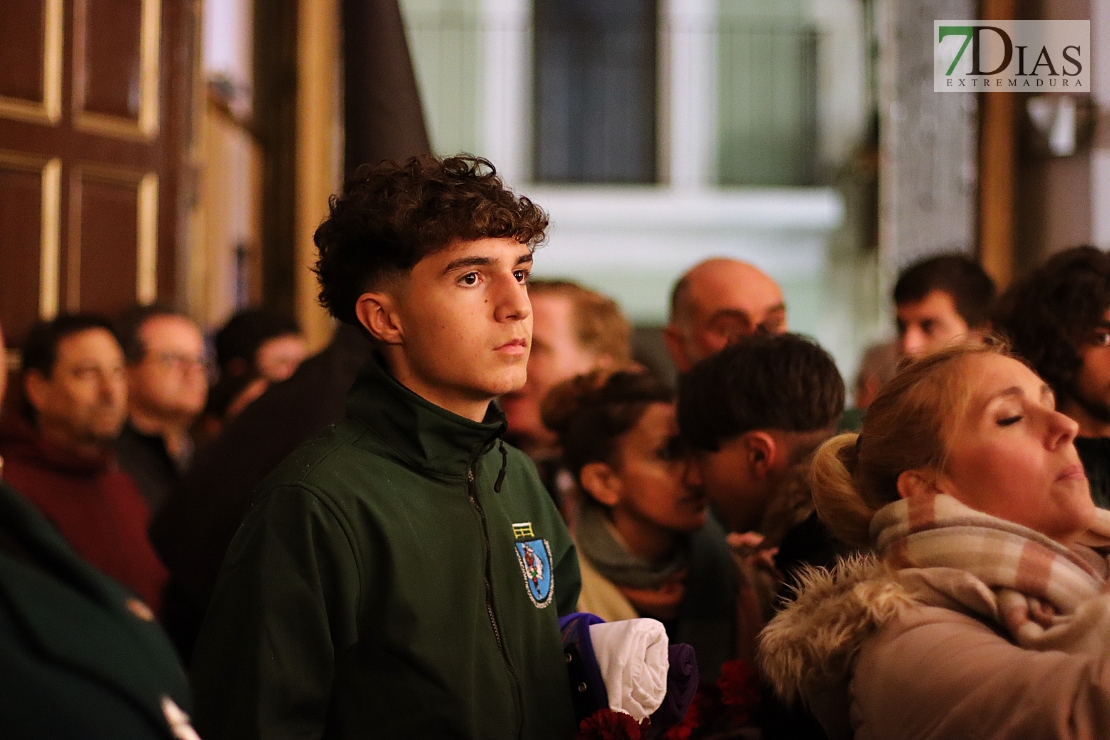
x=808, y=649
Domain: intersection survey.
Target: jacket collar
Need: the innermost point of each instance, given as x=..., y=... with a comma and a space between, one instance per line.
x=422, y=434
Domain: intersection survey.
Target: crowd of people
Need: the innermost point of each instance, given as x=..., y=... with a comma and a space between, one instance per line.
x=388, y=538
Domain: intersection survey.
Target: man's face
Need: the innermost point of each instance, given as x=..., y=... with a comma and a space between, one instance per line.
x=84, y=401
x=727, y=301
x=465, y=324
x=929, y=324
x=278, y=358
x=170, y=380
x=728, y=480
x=556, y=356
x=1092, y=384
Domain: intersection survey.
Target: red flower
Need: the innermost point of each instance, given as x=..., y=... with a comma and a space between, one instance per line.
x=739, y=687
x=684, y=729
x=605, y=724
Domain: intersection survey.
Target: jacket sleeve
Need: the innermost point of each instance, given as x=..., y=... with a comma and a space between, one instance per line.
x=568, y=579
x=285, y=604
x=950, y=675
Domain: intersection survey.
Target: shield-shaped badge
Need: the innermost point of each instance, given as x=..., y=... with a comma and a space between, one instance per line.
x=535, y=563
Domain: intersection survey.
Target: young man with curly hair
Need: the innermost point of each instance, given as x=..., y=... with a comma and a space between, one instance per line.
x=402, y=575
x=1058, y=319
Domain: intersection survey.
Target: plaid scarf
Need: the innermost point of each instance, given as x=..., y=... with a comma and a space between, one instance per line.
x=1044, y=594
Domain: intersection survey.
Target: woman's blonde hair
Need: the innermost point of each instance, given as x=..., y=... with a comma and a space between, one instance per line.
x=907, y=427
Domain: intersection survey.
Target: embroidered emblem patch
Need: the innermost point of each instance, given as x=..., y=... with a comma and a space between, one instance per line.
x=535, y=563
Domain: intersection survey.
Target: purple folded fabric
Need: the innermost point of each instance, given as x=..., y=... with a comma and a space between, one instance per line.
x=588, y=692
x=682, y=684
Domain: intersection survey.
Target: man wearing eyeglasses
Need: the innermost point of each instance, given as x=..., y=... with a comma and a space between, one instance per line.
x=167, y=386
x=718, y=302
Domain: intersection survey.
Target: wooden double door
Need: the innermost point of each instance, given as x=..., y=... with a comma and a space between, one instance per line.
x=96, y=121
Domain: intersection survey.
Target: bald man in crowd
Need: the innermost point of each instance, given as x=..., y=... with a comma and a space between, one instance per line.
x=717, y=302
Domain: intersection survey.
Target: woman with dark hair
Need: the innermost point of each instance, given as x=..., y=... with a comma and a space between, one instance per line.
x=983, y=611
x=645, y=546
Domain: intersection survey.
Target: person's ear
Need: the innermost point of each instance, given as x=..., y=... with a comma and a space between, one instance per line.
x=377, y=312
x=601, y=482
x=672, y=338
x=762, y=452
x=35, y=386
x=917, y=481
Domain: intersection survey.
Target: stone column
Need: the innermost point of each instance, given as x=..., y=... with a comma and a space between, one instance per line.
x=928, y=141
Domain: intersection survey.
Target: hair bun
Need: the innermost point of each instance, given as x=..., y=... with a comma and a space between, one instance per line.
x=566, y=399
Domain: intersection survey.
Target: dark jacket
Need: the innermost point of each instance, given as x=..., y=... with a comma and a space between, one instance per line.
x=386, y=584
x=194, y=528
x=145, y=458
x=79, y=656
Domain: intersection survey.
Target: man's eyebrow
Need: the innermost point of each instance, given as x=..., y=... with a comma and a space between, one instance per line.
x=729, y=313
x=777, y=308
x=481, y=262
x=467, y=262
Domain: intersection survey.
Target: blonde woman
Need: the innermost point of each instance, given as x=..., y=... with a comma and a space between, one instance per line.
x=983, y=611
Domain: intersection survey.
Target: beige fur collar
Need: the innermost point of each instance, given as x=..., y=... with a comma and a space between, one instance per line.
x=810, y=646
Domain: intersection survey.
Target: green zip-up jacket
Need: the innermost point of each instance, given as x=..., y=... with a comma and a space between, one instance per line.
x=384, y=585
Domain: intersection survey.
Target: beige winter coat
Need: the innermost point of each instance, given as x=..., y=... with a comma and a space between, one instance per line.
x=881, y=654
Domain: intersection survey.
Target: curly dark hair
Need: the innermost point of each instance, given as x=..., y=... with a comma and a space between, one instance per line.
x=393, y=214
x=785, y=382
x=1048, y=315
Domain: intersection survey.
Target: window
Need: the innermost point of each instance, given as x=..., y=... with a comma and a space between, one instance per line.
x=595, y=91
x=767, y=109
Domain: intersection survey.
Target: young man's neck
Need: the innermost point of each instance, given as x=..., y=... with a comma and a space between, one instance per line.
x=464, y=406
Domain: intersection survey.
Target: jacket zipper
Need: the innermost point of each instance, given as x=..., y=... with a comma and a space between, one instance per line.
x=472, y=491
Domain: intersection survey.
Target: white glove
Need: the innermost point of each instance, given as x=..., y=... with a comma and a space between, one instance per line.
x=632, y=656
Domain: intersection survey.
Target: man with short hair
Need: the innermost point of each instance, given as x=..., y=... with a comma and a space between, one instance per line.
x=752, y=414
x=1058, y=320
x=940, y=300
x=403, y=573
x=717, y=302
x=167, y=386
x=60, y=455
x=574, y=331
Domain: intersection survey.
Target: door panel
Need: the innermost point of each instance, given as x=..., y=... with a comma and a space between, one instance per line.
x=95, y=94
x=111, y=211
x=29, y=196
x=115, y=67
x=31, y=60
